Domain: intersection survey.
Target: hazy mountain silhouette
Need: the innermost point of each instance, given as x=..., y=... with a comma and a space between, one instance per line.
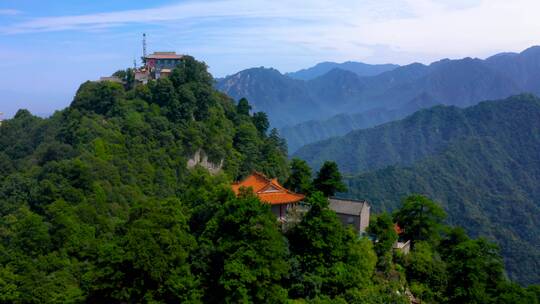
x=464, y=82
x=359, y=68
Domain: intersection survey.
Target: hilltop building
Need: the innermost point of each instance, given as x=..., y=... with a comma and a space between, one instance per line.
x=270, y=191
x=155, y=65
x=160, y=64
x=352, y=212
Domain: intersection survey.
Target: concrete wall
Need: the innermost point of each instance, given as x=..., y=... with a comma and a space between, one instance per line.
x=358, y=222
x=364, y=218
x=350, y=220
x=403, y=247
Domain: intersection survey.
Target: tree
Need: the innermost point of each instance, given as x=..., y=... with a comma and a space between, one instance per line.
x=260, y=120
x=382, y=229
x=150, y=260
x=190, y=70
x=25, y=231
x=329, y=180
x=426, y=271
x=300, y=178
x=475, y=271
x=243, y=107
x=183, y=107
x=279, y=142
x=243, y=254
x=328, y=259
x=98, y=97
x=420, y=218
x=246, y=141
x=163, y=92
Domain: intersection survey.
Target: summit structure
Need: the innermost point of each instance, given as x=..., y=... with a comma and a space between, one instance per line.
x=157, y=64
x=160, y=64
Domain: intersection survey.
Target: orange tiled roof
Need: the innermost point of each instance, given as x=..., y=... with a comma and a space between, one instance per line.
x=268, y=190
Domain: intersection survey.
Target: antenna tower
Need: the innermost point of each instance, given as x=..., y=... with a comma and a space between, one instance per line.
x=144, y=45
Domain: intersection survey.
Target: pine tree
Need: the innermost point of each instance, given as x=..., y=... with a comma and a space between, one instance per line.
x=329, y=180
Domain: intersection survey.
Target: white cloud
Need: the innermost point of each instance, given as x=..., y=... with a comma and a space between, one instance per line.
x=202, y=9
x=9, y=12
x=343, y=29
x=490, y=26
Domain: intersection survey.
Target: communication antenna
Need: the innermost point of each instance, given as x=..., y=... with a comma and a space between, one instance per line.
x=144, y=45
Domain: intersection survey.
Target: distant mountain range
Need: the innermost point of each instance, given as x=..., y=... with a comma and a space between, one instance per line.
x=315, y=130
x=359, y=68
x=304, y=110
x=482, y=163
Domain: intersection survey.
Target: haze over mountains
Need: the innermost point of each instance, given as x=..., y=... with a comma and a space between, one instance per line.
x=359, y=68
x=482, y=163
x=390, y=95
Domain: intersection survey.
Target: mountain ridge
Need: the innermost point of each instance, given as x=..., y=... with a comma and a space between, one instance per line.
x=359, y=68
x=462, y=82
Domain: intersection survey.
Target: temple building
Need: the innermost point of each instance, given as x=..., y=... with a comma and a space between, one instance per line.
x=270, y=191
x=160, y=64
x=352, y=212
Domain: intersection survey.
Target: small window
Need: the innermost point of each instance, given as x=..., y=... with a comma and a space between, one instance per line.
x=350, y=220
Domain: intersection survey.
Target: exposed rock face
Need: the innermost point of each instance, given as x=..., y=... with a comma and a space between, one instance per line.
x=200, y=158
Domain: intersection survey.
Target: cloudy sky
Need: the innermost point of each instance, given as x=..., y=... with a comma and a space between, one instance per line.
x=47, y=48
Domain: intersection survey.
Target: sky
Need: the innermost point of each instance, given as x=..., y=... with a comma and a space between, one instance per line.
x=48, y=48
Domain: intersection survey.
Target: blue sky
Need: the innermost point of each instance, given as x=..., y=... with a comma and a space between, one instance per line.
x=47, y=48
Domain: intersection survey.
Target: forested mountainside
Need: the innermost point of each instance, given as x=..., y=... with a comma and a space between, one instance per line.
x=482, y=163
x=98, y=205
x=312, y=131
x=279, y=96
x=359, y=68
x=461, y=82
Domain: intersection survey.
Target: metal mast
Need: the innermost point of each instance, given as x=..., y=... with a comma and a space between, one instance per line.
x=144, y=45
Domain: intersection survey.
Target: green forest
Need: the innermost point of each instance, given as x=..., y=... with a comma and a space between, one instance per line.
x=98, y=205
x=481, y=163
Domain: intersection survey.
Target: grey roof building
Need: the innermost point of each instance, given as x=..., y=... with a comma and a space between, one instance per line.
x=352, y=212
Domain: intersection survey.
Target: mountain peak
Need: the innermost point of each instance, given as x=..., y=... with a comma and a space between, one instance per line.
x=533, y=50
